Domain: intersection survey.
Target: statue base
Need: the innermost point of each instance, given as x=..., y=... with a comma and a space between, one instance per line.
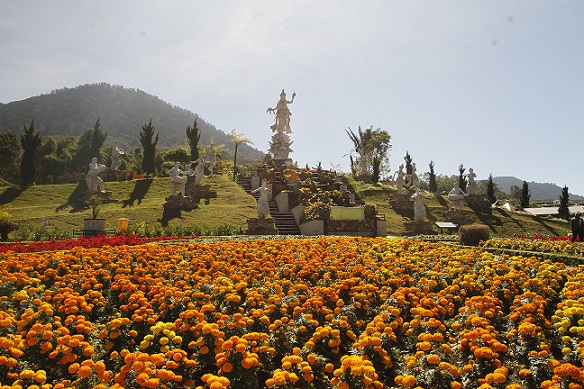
x=201, y=191
x=179, y=202
x=413, y=228
x=477, y=201
x=401, y=201
x=457, y=216
x=265, y=226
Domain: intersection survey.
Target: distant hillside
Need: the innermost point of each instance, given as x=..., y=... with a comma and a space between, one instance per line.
x=123, y=112
x=537, y=190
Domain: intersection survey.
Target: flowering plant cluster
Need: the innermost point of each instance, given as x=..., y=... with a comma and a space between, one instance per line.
x=553, y=246
x=93, y=241
x=303, y=313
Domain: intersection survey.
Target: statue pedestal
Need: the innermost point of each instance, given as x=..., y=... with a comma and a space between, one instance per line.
x=401, y=201
x=179, y=202
x=477, y=201
x=417, y=228
x=265, y=226
x=201, y=191
x=457, y=216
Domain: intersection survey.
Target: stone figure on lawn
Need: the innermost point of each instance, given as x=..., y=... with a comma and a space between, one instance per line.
x=200, y=170
x=116, y=161
x=177, y=181
x=93, y=180
x=400, y=180
x=471, y=186
x=419, y=207
x=263, y=205
x=456, y=197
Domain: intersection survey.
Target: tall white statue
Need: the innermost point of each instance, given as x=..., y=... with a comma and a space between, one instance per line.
x=177, y=181
x=199, y=170
x=414, y=181
x=283, y=114
x=263, y=205
x=280, y=144
x=93, y=180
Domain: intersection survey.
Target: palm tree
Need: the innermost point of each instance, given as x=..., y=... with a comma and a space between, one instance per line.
x=237, y=139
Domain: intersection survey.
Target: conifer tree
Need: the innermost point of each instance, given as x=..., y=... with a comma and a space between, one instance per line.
x=148, y=142
x=525, y=196
x=564, y=210
x=432, y=185
x=194, y=136
x=491, y=190
x=30, y=142
x=461, y=180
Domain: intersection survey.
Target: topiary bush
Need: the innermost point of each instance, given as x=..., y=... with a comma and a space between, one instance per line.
x=473, y=234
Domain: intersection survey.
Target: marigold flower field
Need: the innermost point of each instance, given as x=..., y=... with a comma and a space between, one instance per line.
x=299, y=313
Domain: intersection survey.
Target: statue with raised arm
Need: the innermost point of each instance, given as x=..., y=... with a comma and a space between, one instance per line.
x=93, y=180
x=282, y=124
x=263, y=204
x=116, y=161
x=177, y=181
x=199, y=170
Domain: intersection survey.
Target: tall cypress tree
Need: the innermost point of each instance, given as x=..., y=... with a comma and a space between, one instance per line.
x=491, y=190
x=97, y=141
x=461, y=180
x=525, y=196
x=194, y=136
x=432, y=185
x=563, y=209
x=30, y=142
x=148, y=142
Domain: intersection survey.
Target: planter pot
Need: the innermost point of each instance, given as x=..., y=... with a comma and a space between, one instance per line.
x=92, y=227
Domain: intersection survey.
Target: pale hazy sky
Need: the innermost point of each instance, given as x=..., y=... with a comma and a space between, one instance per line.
x=495, y=85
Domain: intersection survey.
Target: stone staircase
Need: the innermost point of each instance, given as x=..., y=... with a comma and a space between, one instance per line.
x=284, y=221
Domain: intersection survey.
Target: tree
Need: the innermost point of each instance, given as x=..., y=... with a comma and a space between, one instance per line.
x=461, y=180
x=237, y=139
x=525, y=196
x=194, y=136
x=148, y=142
x=491, y=189
x=432, y=185
x=97, y=141
x=30, y=142
x=380, y=145
x=372, y=147
x=563, y=209
x=409, y=160
x=9, y=155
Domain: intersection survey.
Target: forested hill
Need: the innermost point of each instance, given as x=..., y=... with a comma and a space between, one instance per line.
x=122, y=112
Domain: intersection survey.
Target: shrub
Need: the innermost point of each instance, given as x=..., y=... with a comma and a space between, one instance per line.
x=472, y=234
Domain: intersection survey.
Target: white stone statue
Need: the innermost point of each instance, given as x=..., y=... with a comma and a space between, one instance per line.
x=456, y=197
x=93, y=180
x=116, y=162
x=400, y=180
x=419, y=207
x=471, y=186
x=280, y=143
x=177, y=181
x=263, y=205
x=211, y=158
x=283, y=114
x=199, y=170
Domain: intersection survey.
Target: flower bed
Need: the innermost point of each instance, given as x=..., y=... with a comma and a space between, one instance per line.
x=302, y=313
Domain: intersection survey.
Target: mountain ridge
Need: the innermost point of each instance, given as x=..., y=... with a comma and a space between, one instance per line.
x=122, y=112
x=537, y=190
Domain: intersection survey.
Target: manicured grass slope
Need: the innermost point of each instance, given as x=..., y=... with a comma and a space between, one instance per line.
x=141, y=201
